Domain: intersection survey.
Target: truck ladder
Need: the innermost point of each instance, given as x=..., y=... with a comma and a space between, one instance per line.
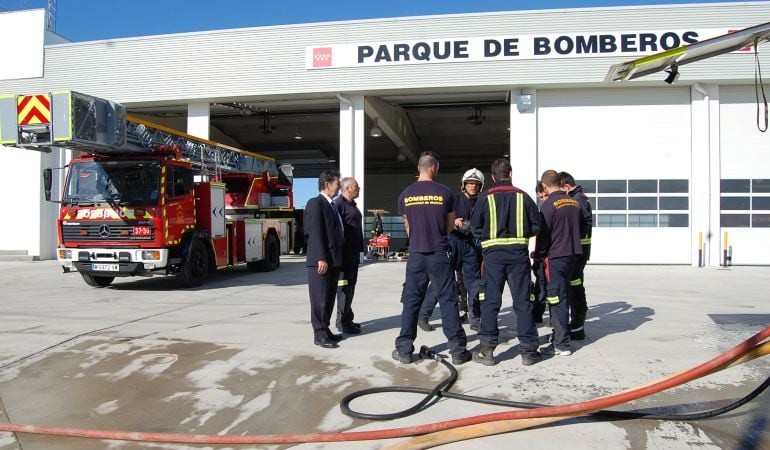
x=69, y=119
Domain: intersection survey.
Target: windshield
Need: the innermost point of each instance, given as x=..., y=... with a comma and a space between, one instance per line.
x=113, y=182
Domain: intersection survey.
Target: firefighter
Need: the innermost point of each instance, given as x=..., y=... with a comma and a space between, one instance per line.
x=505, y=217
x=427, y=208
x=559, y=239
x=578, y=302
x=538, y=269
x=351, y=254
x=466, y=255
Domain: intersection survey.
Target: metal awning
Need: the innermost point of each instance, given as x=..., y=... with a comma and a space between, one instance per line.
x=675, y=57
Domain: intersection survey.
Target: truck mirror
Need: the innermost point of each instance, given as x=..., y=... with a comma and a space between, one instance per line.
x=47, y=180
x=287, y=170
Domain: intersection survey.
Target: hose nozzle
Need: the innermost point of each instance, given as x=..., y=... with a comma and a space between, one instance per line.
x=428, y=353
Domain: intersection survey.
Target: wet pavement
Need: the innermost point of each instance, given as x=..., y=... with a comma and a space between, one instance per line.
x=236, y=356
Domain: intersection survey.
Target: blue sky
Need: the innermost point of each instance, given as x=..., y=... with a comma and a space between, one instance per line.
x=85, y=20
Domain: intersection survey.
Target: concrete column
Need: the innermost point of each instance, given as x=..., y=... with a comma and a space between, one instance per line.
x=352, y=137
x=523, y=141
x=198, y=119
x=49, y=211
x=705, y=174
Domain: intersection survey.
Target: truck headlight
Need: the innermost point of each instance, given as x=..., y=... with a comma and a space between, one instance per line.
x=152, y=255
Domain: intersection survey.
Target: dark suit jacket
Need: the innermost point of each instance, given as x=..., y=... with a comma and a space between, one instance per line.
x=324, y=233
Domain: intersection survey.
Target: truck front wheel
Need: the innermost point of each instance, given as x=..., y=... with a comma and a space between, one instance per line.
x=97, y=281
x=195, y=267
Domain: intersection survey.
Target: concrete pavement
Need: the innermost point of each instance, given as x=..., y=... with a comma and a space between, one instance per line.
x=236, y=356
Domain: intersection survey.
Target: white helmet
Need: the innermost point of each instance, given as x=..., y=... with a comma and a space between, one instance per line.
x=473, y=175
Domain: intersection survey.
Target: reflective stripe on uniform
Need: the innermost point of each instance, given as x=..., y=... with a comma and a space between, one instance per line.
x=493, y=239
x=520, y=215
x=504, y=241
x=552, y=300
x=342, y=283
x=492, y=217
x=532, y=297
x=576, y=282
x=481, y=296
x=585, y=241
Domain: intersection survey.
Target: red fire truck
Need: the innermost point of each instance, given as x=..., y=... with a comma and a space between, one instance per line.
x=140, y=199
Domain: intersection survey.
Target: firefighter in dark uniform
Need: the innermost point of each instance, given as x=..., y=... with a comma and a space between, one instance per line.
x=505, y=217
x=563, y=222
x=351, y=254
x=538, y=269
x=578, y=302
x=466, y=254
x=427, y=208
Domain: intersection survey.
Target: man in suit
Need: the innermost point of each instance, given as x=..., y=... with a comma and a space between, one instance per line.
x=325, y=239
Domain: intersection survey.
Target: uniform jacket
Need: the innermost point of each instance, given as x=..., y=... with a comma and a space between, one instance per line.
x=463, y=206
x=585, y=237
x=323, y=232
x=505, y=217
x=563, y=223
x=351, y=219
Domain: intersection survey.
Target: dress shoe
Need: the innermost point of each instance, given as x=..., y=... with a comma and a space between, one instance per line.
x=350, y=330
x=334, y=337
x=325, y=342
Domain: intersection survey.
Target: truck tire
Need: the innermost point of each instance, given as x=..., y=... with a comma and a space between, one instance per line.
x=97, y=281
x=272, y=254
x=195, y=267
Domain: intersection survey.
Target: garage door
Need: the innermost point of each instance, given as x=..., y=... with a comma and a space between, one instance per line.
x=630, y=149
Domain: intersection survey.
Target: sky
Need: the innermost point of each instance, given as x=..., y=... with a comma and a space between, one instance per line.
x=87, y=20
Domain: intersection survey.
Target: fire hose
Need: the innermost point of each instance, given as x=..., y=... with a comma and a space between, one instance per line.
x=430, y=435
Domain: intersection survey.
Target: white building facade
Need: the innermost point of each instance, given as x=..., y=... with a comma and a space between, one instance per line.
x=673, y=172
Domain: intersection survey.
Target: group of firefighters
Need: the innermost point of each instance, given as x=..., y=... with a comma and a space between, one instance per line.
x=464, y=247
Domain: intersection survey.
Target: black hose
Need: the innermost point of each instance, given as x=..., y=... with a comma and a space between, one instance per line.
x=442, y=390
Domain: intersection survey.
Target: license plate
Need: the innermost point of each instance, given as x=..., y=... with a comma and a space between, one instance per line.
x=106, y=267
x=142, y=231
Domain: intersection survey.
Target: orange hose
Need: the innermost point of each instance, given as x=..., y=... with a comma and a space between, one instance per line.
x=569, y=410
x=506, y=426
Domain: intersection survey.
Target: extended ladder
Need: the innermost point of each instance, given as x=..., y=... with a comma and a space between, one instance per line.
x=77, y=121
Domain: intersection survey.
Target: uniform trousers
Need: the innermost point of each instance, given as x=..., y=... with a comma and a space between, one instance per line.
x=512, y=266
x=436, y=268
x=538, y=288
x=346, y=288
x=322, y=291
x=577, y=298
x=466, y=261
x=558, y=272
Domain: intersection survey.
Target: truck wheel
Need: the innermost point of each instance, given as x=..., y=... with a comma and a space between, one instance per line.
x=272, y=254
x=97, y=281
x=195, y=267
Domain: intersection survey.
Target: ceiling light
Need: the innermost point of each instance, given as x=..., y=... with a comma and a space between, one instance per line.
x=401, y=157
x=375, y=131
x=477, y=118
x=266, y=127
x=298, y=135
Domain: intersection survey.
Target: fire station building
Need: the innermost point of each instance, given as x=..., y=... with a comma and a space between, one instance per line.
x=673, y=171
